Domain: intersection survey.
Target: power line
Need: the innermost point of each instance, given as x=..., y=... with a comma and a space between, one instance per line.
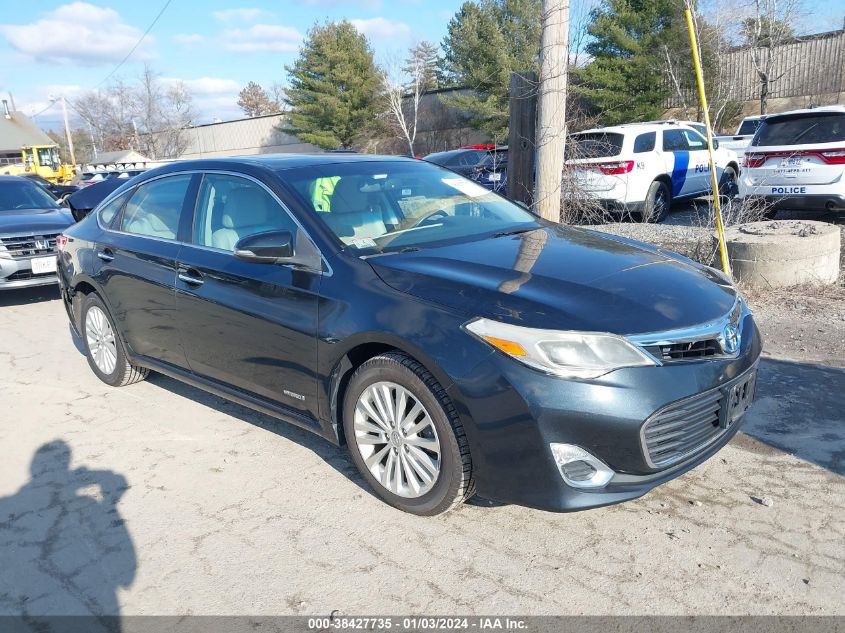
x=137, y=44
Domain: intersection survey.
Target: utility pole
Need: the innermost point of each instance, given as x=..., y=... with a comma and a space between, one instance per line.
x=551, y=126
x=67, y=134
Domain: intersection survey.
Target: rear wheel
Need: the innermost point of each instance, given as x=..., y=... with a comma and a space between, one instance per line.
x=658, y=200
x=104, y=347
x=728, y=186
x=405, y=436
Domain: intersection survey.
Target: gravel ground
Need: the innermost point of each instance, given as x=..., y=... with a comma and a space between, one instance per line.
x=161, y=499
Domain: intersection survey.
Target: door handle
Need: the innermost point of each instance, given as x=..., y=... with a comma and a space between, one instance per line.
x=190, y=279
x=106, y=255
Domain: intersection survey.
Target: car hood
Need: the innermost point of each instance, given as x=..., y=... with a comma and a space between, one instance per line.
x=34, y=221
x=563, y=278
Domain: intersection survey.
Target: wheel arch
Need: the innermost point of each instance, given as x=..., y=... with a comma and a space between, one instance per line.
x=357, y=353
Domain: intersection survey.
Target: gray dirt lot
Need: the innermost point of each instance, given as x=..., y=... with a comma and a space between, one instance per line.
x=226, y=511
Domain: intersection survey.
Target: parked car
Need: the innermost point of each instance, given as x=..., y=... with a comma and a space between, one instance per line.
x=30, y=222
x=464, y=160
x=457, y=343
x=492, y=170
x=61, y=192
x=740, y=141
x=643, y=168
x=797, y=160
x=83, y=201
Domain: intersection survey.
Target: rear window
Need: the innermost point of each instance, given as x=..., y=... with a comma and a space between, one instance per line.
x=801, y=130
x=749, y=127
x=593, y=145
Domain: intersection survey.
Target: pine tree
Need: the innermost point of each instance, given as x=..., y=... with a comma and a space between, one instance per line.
x=625, y=80
x=334, y=87
x=487, y=40
x=422, y=59
x=255, y=101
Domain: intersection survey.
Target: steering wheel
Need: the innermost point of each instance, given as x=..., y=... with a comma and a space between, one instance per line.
x=431, y=216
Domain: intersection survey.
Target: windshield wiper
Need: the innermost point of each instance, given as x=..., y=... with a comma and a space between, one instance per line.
x=515, y=231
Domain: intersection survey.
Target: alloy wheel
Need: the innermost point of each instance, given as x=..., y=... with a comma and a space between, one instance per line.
x=396, y=438
x=101, y=341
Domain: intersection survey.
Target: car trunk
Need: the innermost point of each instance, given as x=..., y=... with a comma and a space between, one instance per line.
x=595, y=158
x=799, y=150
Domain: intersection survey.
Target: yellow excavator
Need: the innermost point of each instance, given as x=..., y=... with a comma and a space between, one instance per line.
x=42, y=160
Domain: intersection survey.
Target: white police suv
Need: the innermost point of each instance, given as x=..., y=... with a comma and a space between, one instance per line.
x=796, y=160
x=642, y=167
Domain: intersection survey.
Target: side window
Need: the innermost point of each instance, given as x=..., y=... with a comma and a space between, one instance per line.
x=675, y=141
x=695, y=140
x=645, y=142
x=155, y=207
x=108, y=212
x=230, y=208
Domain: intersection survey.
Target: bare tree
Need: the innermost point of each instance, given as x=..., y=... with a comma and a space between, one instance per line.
x=766, y=31
x=150, y=116
x=404, y=87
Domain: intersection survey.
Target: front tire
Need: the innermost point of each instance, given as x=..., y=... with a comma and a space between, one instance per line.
x=405, y=436
x=728, y=185
x=658, y=200
x=104, y=348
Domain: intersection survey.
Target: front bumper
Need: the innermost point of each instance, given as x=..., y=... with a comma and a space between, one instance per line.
x=515, y=413
x=17, y=273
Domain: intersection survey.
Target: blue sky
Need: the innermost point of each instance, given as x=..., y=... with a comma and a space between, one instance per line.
x=214, y=46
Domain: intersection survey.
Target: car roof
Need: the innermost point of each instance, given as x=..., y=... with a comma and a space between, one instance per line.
x=290, y=161
x=834, y=109
x=645, y=126
x=8, y=178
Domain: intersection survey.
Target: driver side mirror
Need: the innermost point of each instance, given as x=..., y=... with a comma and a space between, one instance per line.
x=715, y=143
x=271, y=247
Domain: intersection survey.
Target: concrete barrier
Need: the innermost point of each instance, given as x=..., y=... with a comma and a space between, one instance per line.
x=781, y=253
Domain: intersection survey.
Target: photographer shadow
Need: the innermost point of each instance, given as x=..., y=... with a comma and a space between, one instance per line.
x=64, y=548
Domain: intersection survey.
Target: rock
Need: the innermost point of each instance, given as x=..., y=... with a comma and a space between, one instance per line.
x=695, y=502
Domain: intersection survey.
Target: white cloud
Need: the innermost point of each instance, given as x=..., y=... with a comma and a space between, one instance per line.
x=240, y=15
x=382, y=28
x=333, y=4
x=77, y=32
x=270, y=38
x=188, y=39
x=207, y=85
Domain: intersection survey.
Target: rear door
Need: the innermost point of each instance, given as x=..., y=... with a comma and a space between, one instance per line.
x=137, y=266
x=248, y=325
x=799, y=150
x=588, y=153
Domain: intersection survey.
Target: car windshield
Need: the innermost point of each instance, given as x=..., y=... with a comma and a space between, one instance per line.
x=23, y=194
x=393, y=205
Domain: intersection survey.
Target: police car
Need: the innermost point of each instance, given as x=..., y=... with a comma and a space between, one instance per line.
x=642, y=168
x=796, y=160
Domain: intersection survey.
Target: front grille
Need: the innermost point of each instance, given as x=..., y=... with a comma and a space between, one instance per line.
x=23, y=275
x=682, y=428
x=686, y=350
x=23, y=246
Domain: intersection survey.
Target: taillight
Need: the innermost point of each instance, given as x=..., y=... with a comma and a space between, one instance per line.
x=833, y=156
x=61, y=242
x=754, y=160
x=611, y=168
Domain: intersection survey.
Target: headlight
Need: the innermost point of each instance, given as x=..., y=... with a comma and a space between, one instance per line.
x=565, y=354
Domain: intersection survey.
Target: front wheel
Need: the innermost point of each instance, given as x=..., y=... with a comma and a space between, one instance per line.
x=104, y=348
x=405, y=437
x=658, y=200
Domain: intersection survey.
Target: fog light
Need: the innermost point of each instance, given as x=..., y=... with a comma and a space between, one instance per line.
x=579, y=468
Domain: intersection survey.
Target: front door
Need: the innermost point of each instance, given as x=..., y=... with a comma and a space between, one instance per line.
x=251, y=326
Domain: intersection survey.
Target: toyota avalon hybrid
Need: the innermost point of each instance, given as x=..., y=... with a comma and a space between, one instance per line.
x=456, y=343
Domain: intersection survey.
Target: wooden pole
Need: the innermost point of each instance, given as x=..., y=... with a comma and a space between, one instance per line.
x=522, y=128
x=67, y=134
x=551, y=127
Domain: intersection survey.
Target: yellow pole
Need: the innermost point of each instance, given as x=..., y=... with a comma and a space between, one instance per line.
x=723, y=250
